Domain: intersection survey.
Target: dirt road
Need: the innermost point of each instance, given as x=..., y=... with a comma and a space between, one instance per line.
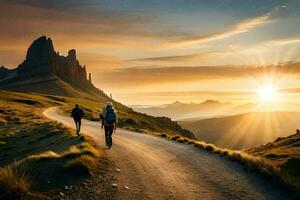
x=156, y=168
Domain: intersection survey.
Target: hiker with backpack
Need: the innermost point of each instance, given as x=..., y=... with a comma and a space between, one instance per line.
x=77, y=114
x=109, y=119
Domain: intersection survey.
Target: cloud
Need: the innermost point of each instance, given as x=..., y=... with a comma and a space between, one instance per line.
x=182, y=58
x=196, y=93
x=285, y=41
x=96, y=61
x=84, y=22
x=165, y=75
x=241, y=27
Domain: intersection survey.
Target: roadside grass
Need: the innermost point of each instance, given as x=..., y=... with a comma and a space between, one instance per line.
x=251, y=163
x=53, y=170
x=284, y=153
x=14, y=182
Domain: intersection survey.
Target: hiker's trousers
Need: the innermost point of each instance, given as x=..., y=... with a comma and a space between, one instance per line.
x=78, y=125
x=108, y=133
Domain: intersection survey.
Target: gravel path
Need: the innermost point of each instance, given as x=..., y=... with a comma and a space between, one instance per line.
x=156, y=168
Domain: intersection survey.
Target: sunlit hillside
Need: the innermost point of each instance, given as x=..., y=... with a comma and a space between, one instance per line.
x=244, y=130
x=284, y=152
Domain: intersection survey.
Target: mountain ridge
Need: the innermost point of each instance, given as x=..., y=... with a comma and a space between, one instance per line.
x=181, y=111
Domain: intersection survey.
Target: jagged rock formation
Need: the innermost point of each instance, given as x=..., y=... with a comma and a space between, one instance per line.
x=45, y=71
x=90, y=77
x=41, y=58
x=3, y=72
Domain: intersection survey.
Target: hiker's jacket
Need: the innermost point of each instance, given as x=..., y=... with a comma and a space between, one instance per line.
x=77, y=113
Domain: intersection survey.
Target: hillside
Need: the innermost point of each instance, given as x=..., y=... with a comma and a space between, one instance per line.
x=244, y=130
x=187, y=111
x=45, y=71
x=284, y=153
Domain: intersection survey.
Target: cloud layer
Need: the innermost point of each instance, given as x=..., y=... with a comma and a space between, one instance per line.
x=166, y=75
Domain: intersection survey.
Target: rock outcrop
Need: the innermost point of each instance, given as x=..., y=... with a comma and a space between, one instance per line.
x=3, y=72
x=41, y=58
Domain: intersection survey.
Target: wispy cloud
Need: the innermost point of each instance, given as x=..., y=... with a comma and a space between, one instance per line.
x=96, y=61
x=241, y=27
x=286, y=41
x=182, y=58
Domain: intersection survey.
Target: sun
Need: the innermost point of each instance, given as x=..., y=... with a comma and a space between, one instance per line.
x=267, y=93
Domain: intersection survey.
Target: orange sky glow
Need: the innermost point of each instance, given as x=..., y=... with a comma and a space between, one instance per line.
x=145, y=55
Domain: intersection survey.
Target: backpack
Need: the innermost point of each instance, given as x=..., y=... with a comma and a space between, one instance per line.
x=102, y=113
x=111, y=117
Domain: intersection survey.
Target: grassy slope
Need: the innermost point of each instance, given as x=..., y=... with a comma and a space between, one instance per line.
x=244, y=130
x=93, y=99
x=128, y=118
x=283, y=153
x=38, y=155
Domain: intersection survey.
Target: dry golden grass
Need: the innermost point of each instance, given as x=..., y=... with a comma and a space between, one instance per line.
x=83, y=156
x=14, y=182
x=257, y=164
x=44, y=156
x=17, y=179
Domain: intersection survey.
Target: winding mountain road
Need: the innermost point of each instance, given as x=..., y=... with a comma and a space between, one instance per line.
x=156, y=168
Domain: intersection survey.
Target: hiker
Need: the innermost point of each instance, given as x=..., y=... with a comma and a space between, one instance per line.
x=109, y=119
x=77, y=114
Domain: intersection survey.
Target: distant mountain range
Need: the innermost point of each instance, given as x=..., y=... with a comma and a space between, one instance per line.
x=45, y=71
x=206, y=109
x=244, y=130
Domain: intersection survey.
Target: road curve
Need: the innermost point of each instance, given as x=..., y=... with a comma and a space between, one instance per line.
x=156, y=168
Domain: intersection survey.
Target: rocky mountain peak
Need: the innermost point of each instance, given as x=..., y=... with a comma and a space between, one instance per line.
x=40, y=50
x=42, y=60
x=72, y=54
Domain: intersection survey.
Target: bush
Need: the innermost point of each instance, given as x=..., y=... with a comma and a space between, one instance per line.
x=130, y=121
x=191, y=142
x=164, y=135
x=210, y=148
x=182, y=140
x=175, y=137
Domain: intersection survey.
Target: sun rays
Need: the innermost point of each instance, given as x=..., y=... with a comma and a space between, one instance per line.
x=267, y=93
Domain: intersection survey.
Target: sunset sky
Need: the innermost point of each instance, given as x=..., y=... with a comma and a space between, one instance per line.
x=159, y=51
